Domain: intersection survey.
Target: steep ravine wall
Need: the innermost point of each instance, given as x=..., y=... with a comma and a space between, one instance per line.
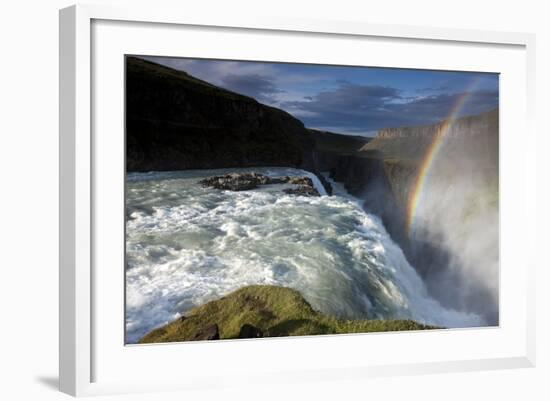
x=453, y=242
x=175, y=121
x=389, y=163
x=382, y=185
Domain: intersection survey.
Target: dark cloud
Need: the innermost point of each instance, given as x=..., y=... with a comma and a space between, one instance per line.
x=367, y=108
x=441, y=88
x=349, y=106
x=257, y=86
x=437, y=107
x=349, y=98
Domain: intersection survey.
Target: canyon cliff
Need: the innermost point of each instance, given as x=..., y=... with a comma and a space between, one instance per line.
x=175, y=121
x=451, y=234
x=384, y=170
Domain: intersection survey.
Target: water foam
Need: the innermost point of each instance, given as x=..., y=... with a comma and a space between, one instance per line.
x=187, y=245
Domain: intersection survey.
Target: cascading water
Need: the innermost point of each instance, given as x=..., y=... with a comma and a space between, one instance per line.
x=187, y=245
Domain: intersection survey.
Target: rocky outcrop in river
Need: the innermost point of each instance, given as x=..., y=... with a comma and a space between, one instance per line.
x=247, y=181
x=175, y=121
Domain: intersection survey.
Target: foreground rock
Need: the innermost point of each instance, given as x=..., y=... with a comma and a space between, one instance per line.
x=247, y=181
x=209, y=333
x=265, y=311
x=249, y=331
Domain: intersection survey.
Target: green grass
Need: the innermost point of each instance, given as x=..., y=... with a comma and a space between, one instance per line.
x=277, y=311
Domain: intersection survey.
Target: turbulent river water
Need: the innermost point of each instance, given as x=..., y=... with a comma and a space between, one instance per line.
x=187, y=245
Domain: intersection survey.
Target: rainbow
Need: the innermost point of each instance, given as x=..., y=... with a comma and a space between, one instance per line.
x=416, y=193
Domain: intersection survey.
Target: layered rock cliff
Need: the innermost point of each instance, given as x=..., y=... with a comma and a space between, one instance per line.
x=469, y=147
x=384, y=170
x=175, y=121
x=329, y=147
x=451, y=234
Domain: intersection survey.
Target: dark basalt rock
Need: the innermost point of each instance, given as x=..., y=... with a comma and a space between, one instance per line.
x=236, y=181
x=292, y=180
x=302, y=191
x=300, y=181
x=209, y=333
x=247, y=181
x=327, y=185
x=175, y=121
x=249, y=331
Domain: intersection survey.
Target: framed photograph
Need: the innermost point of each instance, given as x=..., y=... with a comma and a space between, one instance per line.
x=286, y=200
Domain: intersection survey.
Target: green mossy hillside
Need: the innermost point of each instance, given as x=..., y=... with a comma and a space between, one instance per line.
x=276, y=311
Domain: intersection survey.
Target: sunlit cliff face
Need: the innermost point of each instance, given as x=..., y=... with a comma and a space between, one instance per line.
x=456, y=211
x=460, y=218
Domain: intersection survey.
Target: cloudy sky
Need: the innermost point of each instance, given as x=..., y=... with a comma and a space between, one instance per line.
x=350, y=100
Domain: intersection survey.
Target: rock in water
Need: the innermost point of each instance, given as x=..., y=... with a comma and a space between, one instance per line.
x=235, y=181
x=302, y=190
x=247, y=181
x=209, y=333
x=300, y=181
x=249, y=331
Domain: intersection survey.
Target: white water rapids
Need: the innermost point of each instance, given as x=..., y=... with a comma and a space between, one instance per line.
x=187, y=245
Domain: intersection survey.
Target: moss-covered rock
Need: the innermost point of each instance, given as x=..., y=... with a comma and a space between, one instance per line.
x=272, y=311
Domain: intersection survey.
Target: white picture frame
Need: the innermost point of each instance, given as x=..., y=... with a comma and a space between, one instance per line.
x=82, y=344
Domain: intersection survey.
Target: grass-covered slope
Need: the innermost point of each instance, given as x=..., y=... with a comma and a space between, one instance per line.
x=275, y=311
